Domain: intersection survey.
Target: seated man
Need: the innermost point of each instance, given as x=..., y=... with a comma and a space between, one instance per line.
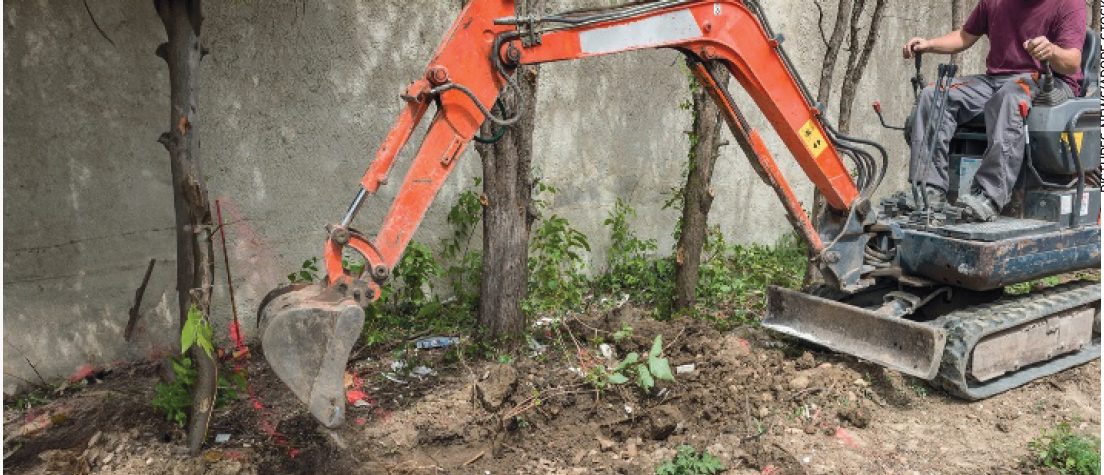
x=1022, y=34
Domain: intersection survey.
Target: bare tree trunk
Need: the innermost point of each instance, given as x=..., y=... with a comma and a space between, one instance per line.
x=194, y=263
x=697, y=193
x=956, y=22
x=508, y=215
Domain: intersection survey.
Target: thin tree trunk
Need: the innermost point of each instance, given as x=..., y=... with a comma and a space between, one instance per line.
x=831, y=52
x=697, y=193
x=857, y=59
x=194, y=249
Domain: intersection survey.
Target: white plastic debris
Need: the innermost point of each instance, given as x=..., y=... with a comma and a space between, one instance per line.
x=686, y=368
x=392, y=378
x=421, y=371
x=398, y=365
x=222, y=438
x=628, y=409
x=606, y=350
x=535, y=346
x=546, y=321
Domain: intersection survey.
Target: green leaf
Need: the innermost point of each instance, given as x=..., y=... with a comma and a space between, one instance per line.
x=644, y=378
x=657, y=347
x=661, y=369
x=629, y=359
x=187, y=335
x=429, y=309
x=618, y=378
x=208, y=347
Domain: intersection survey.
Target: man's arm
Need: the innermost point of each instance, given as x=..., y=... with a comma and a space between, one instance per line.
x=951, y=43
x=1062, y=60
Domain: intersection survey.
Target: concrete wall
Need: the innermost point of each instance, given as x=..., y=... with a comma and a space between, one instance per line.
x=296, y=97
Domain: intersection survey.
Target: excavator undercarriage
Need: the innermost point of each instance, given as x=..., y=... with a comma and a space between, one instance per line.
x=916, y=290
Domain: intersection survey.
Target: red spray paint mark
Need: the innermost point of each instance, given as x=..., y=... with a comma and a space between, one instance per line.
x=83, y=371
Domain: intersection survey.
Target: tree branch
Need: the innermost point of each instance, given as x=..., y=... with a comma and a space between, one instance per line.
x=96, y=24
x=134, y=313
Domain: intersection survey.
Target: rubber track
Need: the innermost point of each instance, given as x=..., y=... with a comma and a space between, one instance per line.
x=968, y=326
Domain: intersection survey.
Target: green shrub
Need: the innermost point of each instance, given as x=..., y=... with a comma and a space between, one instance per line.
x=1070, y=453
x=689, y=462
x=556, y=279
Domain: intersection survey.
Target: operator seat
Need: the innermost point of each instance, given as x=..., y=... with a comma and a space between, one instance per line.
x=1090, y=64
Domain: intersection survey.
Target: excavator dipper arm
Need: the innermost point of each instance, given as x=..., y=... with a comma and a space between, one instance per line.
x=474, y=64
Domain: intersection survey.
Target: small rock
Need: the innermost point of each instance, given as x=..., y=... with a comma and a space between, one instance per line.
x=1004, y=427
x=861, y=383
x=806, y=361
x=604, y=443
x=109, y=458
x=764, y=411
x=810, y=429
x=798, y=383
x=857, y=416
x=149, y=461
x=95, y=438
x=766, y=397
x=630, y=448
x=578, y=457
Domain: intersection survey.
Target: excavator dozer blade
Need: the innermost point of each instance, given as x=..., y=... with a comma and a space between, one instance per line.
x=906, y=346
x=307, y=334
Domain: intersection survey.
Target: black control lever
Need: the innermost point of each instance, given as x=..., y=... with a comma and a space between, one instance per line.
x=1048, y=78
x=1048, y=95
x=918, y=80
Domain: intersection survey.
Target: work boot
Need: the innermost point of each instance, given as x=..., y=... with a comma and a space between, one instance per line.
x=936, y=198
x=978, y=207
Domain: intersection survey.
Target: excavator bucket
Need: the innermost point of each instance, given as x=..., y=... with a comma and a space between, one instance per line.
x=909, y=347
x=307, y=333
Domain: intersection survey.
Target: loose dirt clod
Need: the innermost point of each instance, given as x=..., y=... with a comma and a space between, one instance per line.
x=497, y=386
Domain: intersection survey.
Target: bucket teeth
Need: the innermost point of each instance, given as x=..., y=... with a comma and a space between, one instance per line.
x=307, y=335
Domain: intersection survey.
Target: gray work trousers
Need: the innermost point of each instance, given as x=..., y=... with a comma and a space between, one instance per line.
x=999, y=98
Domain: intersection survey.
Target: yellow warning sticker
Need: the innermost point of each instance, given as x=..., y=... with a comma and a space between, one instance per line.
x=813, y=139
x=1077, y=136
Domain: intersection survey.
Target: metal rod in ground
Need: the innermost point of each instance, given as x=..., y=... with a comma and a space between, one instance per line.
x=235, y=326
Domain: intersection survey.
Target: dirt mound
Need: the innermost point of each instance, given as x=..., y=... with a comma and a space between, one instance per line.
x=760, y=404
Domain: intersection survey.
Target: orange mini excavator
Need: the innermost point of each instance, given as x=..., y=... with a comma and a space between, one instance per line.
x=915, y=290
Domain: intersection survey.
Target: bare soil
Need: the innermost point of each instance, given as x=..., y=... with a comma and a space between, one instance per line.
x=761, y=404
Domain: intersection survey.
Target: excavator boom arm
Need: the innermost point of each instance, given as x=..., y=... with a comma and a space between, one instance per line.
x=463, y=78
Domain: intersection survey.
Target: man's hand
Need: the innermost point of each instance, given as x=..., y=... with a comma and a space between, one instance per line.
x=915, y=45
x=1040, y=48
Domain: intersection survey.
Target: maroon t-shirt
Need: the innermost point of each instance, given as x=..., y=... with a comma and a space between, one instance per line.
x=1009, y=23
